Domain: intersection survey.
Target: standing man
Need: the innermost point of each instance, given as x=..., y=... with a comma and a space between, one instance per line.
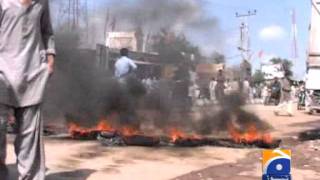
x=26, y=60
x=235, y=86
x=265, y=94
x=212, y=86
x=285, y=100
x=219, y=91
x=276, y=91
x=246, y=90
x=124, y=66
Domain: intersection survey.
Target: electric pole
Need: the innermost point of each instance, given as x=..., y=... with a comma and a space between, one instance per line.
x=74, y=13
x=244, y=46
x=294, y=31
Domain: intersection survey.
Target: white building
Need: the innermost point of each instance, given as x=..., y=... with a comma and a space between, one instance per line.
x=118, y=40
x=272, y=71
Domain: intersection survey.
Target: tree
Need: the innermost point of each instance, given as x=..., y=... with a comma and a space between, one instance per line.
x=258, y=77
x=172, y=47
x=217, y=58
x=286, y=64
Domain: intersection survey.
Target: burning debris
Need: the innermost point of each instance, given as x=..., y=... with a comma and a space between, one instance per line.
x=128, y=136
x=250, y=135
x=141, y=140
x=244, y=130
x=78, y=132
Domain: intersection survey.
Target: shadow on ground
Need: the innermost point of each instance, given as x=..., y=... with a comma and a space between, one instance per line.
x=80, y=174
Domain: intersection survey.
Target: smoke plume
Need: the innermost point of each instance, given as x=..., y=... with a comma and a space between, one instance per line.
x=180, y=16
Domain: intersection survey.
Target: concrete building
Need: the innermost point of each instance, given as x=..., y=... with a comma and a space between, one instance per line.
x=118, y=40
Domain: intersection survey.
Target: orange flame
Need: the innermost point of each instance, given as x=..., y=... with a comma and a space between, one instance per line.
x=101, y=126
x=129, y=131
x=249, y=136
x=176, y=134
x=104, y=126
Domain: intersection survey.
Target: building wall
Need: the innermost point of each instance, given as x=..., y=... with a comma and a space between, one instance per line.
x=118, y=40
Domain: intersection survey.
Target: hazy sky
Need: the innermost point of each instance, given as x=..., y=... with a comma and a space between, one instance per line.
x=270, y=29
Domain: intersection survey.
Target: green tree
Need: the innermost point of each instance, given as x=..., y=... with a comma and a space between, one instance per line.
x=258, y=77
x=217, y=58
x=173, y=48
x=286, y=64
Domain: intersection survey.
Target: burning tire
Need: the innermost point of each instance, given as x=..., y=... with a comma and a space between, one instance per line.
x=141, y=140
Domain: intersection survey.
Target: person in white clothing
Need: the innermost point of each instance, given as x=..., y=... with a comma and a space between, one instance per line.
x=265, y=93
x=212, y=87
x=124, y=66
x=126, y=95
x=246, y=90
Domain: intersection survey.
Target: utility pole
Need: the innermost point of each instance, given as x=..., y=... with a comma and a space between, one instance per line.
x=294, y=31
x=74, y=14
x=244, y=46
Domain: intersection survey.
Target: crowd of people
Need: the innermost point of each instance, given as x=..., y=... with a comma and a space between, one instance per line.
x=281, y=92
x=219, y=87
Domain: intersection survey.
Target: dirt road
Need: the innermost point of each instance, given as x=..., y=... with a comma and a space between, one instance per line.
x=72, y=160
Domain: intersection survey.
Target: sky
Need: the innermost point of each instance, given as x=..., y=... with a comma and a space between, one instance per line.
x=270, y=29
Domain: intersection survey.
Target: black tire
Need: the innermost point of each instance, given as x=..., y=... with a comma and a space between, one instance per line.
x=312, y=112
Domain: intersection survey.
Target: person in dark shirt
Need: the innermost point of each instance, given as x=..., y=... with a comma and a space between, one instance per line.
x=286, y=99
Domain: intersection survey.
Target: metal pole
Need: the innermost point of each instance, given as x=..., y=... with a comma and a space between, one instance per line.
x=244, y=34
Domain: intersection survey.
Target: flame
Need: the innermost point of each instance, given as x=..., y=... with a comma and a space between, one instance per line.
x=129, y=131
x=267, y=138
x=104, y=126
x=74, y=128
x=176, y=134
x=101, y=126
x=249, y=136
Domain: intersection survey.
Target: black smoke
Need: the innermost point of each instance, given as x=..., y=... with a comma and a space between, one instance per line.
x=231, y=111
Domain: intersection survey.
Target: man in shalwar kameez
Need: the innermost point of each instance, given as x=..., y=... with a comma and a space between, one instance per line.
x=220, y=87
x=26, y=60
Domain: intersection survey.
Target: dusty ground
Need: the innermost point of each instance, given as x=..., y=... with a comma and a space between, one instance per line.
x=72, y=160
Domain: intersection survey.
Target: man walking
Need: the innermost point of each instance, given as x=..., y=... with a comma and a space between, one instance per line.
x=212, y=87
x=246, y=90
x=124, y=66
x=26, y=61
x=219, y=90
x=127, y=97
x=285, y=100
